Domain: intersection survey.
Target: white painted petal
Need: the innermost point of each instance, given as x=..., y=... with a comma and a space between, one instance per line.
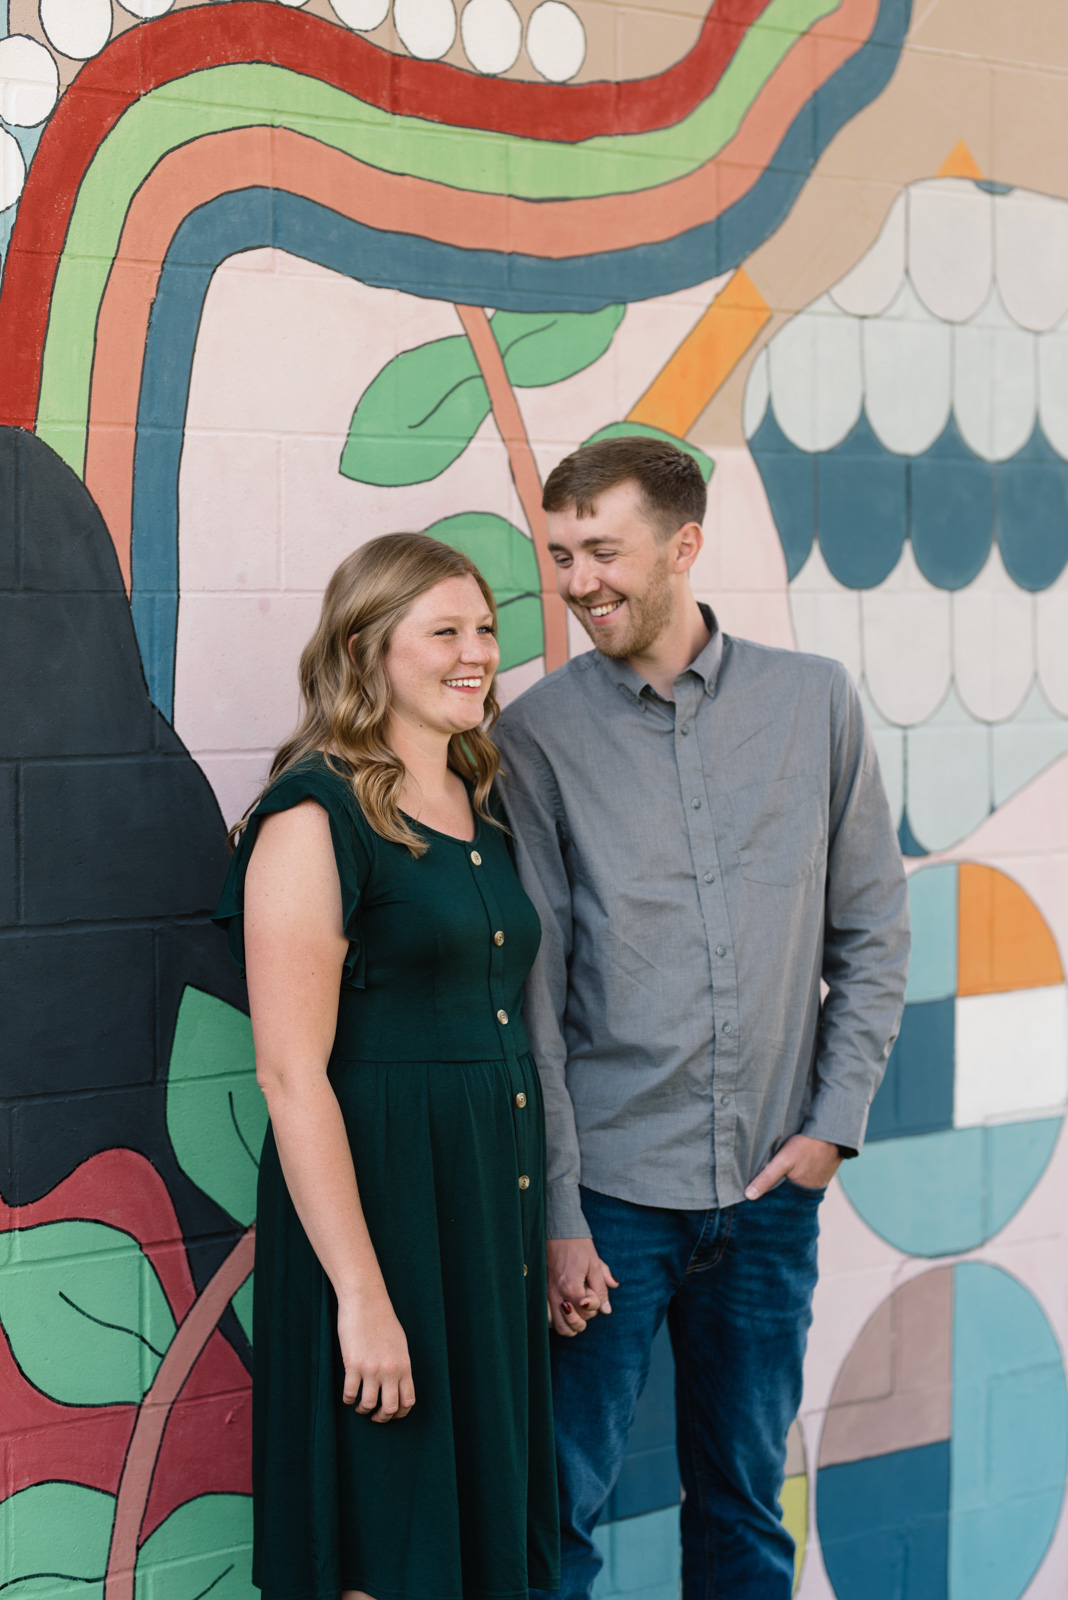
x=755, y=402
x=361, y=15
x=156, y=8
x=492, y=34
x=29, y=81
x=1051, y=625
x=1031, y=257
x=293, y=3
x=993, y=642
x=1011, y=1056
x=826, y=615
x=890, y=747
x=871, y=285
x=906, y=643
x=816, y=377
x=948, y=785
x=908, y=368
x=556, y=41
x=1053, y=388
x=995, y=382
x=77, y=28
x=951, y=246
x=426, y=27
x=1036, y=737
x=12, y=169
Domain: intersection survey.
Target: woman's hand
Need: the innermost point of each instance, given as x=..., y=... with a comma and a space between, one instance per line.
x=374, y=1349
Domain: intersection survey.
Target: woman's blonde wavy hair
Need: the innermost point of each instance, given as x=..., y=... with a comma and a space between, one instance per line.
x=347, y=696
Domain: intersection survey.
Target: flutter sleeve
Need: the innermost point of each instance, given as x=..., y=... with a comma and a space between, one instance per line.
x=353, y=842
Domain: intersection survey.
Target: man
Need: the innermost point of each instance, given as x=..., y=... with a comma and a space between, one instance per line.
x=702, y=826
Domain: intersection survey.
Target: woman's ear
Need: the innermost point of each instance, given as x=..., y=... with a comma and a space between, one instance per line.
x=349, y=646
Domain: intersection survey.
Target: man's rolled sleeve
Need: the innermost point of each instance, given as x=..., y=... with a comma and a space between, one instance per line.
x=866, y=939
x=535, y=816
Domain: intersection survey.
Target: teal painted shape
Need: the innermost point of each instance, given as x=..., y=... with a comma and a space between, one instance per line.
x=933, y=910
x=1009, y=1452
x=922, y=1194
x=642, y=1557
x=1017, y=1154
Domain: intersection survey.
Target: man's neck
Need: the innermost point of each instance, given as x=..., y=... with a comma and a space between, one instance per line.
x=680, y=644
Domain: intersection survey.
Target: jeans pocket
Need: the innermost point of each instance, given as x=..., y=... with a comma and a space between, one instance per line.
x=804, y=1188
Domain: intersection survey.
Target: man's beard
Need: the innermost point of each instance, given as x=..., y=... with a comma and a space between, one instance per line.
x=648, y=615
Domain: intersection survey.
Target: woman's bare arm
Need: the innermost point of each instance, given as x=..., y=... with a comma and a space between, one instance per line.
x=295, y=949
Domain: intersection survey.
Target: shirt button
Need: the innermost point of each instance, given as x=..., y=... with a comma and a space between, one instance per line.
x=524, y=1182
x=476, y=859
x=520, y=1099
x=728, y=1027
x=721, y=949
x=696, y=804
x=710, y=877
x=498, y=937
x=724, y=1099
x=502, y=1018
x=685, y=728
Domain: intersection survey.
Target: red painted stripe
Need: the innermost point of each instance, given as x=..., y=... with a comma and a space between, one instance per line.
x=143, y=58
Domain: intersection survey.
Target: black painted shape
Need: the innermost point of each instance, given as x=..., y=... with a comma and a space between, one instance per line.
x=113, y=853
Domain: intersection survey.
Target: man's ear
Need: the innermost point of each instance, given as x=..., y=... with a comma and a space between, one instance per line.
x=688, y=543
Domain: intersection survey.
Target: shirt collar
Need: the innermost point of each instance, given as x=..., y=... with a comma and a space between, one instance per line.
x=704, y=666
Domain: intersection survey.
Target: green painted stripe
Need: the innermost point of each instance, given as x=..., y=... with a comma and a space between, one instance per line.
x=222, y=98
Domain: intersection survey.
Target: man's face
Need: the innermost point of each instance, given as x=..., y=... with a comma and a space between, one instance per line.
x=613, y=570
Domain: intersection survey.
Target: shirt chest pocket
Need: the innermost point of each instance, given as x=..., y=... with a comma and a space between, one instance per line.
x=780, y=829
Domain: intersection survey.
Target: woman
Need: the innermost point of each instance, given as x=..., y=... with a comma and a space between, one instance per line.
x=402, y=1437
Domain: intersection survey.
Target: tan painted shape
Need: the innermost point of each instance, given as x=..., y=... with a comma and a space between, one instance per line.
x=894, y=1391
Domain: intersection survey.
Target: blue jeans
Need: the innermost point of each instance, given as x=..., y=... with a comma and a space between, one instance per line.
x=736, y=1287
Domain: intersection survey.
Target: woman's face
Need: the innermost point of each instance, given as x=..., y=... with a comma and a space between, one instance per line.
x=442, y=658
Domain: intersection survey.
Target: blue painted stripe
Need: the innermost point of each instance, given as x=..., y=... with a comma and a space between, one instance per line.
x=256, y=218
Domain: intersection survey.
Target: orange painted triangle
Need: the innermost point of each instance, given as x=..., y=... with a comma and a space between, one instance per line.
x=960, y=163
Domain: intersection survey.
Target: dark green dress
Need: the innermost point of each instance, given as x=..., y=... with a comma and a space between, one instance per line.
x=441, y=1100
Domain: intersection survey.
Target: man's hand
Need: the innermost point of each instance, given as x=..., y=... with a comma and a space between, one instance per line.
x=578, y=1283
x=812, y=1163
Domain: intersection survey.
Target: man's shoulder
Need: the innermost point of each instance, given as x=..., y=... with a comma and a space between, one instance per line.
x=749, y=660
x=539, y=706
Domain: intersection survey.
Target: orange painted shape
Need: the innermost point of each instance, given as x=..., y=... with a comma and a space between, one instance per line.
x=960, y=163
x=1003, y=941
x=705, y=358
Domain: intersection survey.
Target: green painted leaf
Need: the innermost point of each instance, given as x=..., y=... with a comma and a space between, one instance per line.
x=543, y=347
x=626, y=430
x=206, y=1545
x=507, y=560
x=84, y=1312
x=420, y=413
x=242, y=1304
x=54, y=1540
x=216, y=1115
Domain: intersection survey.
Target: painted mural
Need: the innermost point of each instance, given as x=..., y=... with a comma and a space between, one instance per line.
x=279, y=277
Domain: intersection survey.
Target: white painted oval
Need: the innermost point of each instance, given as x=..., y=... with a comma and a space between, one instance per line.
x=556, y=41
x=995, y=382
x=492, y=34
x=362, y=15
x=1031, y=257
x=948, y=776
x=755, y=403
x=12, y=169
x=908, y=375
x=77, y=28
x=907, y=685
x=815, y=374
x=146, y=9
x=951, y=246
x=29, y=81
x=872, y=284
x=993, y=642
x=426, y=27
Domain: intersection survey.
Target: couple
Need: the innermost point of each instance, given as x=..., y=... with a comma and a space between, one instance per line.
x=701, y=836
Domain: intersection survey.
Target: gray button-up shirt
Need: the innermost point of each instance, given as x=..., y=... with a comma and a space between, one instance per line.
x=698, y=867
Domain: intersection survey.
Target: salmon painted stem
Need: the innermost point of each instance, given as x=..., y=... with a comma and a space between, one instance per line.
x=512, y=429
x=194, y=1331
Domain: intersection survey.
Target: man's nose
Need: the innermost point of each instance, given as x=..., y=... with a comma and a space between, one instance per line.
x=582, y=580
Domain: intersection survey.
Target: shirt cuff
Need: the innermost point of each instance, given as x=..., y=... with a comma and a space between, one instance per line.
x=563, y=1212
x=838, y=1119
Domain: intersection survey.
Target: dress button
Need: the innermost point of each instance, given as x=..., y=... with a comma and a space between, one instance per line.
x=524, y=1269
x=498, y=937
x=502, y=1017
x=524, y=1182
x=728, y=1027
x=476, y=859
x=721, y=949
x=520, y=1099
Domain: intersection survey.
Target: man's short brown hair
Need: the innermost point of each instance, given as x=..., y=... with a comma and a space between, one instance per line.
x=671, y=483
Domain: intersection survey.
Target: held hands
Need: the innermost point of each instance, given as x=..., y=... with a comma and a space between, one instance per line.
x=578, y=1284
x=375, y=1351
x=810, y=1163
